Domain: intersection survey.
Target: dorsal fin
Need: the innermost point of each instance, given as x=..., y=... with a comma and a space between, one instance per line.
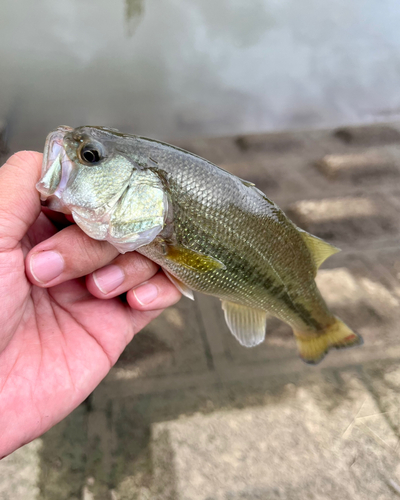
x=319, y=249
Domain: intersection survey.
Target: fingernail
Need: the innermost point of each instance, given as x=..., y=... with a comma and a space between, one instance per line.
x=145, y=293
x=108, y=278
x=45, y=266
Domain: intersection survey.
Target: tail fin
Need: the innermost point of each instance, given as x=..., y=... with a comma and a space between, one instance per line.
x=313, y=349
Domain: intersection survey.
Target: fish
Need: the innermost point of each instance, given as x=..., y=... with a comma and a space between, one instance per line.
x=210, y=231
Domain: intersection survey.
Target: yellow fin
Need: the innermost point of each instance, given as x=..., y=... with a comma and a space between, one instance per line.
x=313, y=349
x=192, y=259
x=320, y=249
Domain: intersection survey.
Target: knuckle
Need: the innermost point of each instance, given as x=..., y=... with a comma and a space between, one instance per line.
x=139, y=265
x=92, y=252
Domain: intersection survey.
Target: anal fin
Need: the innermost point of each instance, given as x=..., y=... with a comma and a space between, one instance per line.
x=248, y=325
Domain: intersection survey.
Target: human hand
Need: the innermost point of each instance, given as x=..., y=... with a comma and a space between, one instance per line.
x=58, y=336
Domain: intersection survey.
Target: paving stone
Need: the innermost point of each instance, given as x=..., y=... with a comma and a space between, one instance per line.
x=308, y=447
x=369, y=135
x=64, y=458
x=383, y=382
x=172, y=343
x=359, y=165
x=19, y=473
x=280, y=142
x=390, y=260
x=347, y=218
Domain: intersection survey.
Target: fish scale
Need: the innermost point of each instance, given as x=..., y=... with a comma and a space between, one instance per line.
x=251, y=202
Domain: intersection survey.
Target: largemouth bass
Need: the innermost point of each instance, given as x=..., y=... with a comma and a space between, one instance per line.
x=209, y=230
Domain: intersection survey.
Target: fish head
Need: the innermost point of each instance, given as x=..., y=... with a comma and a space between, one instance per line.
x=87, y=173
x=81, y=168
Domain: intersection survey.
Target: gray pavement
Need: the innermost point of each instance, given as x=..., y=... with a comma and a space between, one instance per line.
x=307, y=443
x=187, y=413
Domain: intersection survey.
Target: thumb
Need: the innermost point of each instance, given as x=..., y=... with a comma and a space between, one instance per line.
x=19, y=200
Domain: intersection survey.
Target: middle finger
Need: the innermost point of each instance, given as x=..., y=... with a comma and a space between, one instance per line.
x=125, y=272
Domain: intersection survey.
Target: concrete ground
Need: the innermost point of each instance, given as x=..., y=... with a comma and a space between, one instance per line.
x=189, y=414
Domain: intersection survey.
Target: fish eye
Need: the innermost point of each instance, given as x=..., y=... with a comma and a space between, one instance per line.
x=90, y=154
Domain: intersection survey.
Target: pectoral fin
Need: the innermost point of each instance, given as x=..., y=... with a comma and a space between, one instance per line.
x=248, y=325
x=185, y=290
x=191, y=259
x=320, y=249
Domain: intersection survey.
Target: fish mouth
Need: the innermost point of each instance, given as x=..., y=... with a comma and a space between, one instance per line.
x=56, y=169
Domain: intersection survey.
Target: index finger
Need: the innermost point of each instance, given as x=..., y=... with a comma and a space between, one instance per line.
x=19, y=199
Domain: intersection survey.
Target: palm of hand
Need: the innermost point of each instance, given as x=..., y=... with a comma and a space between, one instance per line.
x=60, y=341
